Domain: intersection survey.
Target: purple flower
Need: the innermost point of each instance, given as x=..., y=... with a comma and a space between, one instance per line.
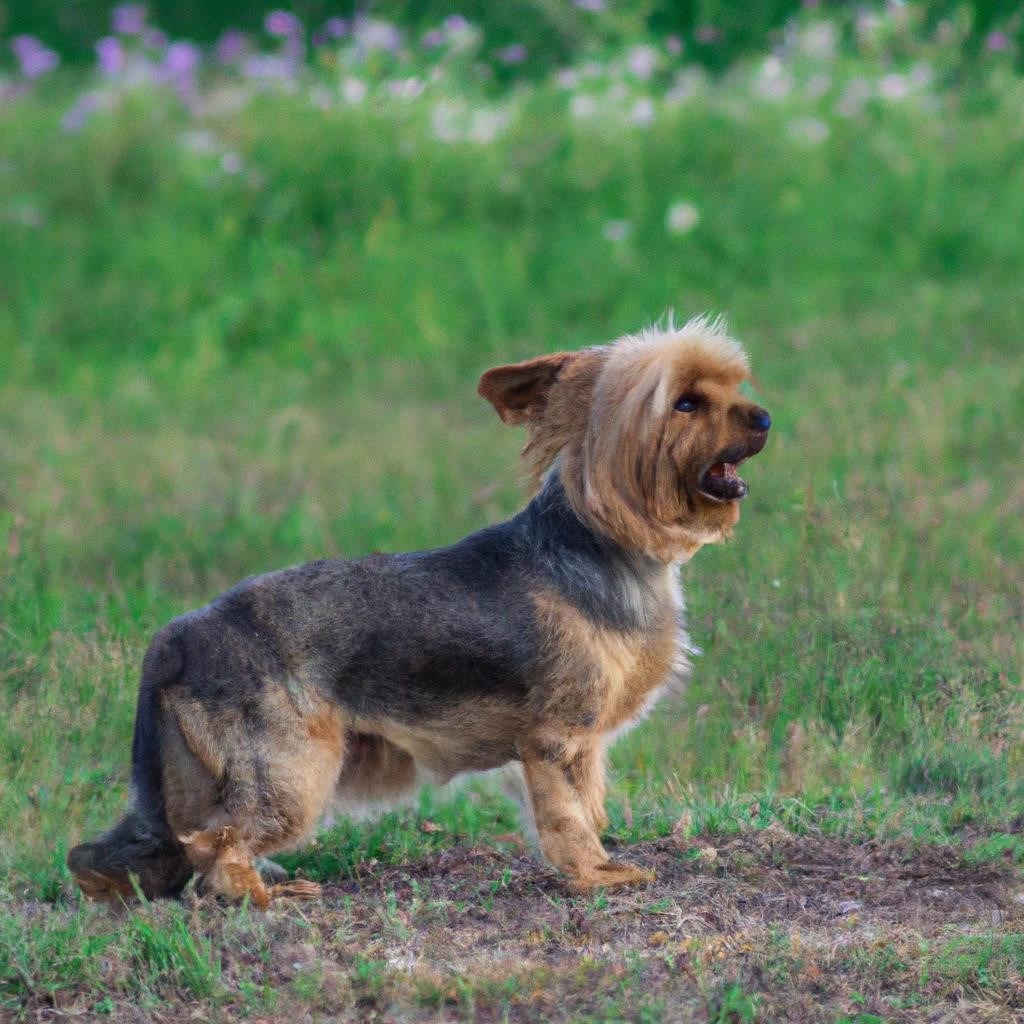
x=997, y=42
x=595, y=6
x=128, y=19
x=34, y=59
x=154, y=39
x=231, y=46
x=74, y=120
x=455, y=23
x=110, y=54
x=282, y=23
x=674, y=45
x=515, y=53
x=432, y=39
x=268, y=66
x=336, y=27
x=181, y=60
x=706, y=34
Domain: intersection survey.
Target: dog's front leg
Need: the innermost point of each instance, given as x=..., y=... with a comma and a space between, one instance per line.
x=561, y=792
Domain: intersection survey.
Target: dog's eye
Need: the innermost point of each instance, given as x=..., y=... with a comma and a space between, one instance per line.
x=688, y=403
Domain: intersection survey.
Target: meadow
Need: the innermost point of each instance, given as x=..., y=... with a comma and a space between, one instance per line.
x=241, y=324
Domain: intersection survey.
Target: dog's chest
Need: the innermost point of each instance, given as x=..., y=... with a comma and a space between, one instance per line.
x=605, y=678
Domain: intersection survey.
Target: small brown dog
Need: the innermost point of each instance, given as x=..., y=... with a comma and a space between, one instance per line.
x=531, y=642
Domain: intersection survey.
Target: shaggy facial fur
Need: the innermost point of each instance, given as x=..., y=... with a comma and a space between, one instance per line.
x=337, y=685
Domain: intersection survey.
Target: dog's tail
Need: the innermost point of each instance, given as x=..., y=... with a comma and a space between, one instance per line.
x=141, y=844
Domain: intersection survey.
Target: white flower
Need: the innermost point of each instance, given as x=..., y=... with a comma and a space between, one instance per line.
x=617, y=230
x=681, y=218
x=230, y=162
x=773, y=81
x=642, y=61
x=583, y=106
x=406, y=88
x=353, y=90
x=808, y=129
x=486, y=125
x=643, y=111
x=855, y=95
x=685, y=86
x=819, y=40
x=567, y=78
x=894, y=87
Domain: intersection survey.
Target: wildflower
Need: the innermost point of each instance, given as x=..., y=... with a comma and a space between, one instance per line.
x=893, y=87
x=706, y=34
x=231, y=163
x=154, y=39
x=75, y=119
x=681, y=218
x=282, y=24
x=353, y=90
x=433, y=39
x=455, y=23
x=686, y=84
x=643, y=111
x=372, y=34
x=567, y=78
x=594, y=6
x=820, y=40
x=855, y=95
x=269, y=66
x=486, y=125
x=515, y=53
x=808, y=129
x=128, y=19
x=231, y=46
x=997, y=42
x=674, y=45
x=773, y=82
x=110, y=54
x=583, y=106
x=336, y=27
x=34, y=59
x=642, y=61
x=617, y=230
x=181, y=60
x=406, y=88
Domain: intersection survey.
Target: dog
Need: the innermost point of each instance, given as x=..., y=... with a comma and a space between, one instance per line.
x=531, y=642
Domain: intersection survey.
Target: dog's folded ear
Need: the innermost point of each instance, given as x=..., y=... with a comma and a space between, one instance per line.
x=520, y=391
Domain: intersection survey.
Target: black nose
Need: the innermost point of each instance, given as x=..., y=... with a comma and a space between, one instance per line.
x=759, y=419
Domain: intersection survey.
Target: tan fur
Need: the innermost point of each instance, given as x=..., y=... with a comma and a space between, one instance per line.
x=241, y=781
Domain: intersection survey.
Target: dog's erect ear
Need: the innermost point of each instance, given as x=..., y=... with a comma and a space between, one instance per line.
x=520, y=392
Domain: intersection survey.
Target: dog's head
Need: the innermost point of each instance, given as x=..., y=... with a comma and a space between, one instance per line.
x=647, y=432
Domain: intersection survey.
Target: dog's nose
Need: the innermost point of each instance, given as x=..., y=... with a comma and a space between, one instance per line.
x=759, y=419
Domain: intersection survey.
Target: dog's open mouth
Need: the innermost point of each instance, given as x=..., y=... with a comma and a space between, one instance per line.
x=721, y=482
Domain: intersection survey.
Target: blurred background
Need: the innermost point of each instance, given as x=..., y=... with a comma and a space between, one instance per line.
x=252, y=262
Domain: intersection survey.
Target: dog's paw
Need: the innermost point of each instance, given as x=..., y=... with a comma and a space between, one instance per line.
x=299, y=889
x=609, y=875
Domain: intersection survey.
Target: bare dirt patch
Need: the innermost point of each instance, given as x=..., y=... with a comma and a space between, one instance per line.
x=764, y=925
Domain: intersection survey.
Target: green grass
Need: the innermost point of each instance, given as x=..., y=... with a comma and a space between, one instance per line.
x=207, y=376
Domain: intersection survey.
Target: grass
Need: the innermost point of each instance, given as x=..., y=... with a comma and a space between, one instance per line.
x=209, y=375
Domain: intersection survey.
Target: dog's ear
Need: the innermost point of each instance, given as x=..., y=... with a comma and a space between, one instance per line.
x=520, y=391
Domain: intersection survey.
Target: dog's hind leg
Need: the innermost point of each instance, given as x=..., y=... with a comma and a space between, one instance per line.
x=240, y=783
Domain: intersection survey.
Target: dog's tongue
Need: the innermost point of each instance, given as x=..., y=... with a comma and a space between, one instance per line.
x=726, y=470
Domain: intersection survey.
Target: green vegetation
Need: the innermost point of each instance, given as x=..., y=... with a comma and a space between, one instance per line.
x=214, y=367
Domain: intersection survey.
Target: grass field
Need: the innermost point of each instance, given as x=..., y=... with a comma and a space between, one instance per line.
x=248, y=336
